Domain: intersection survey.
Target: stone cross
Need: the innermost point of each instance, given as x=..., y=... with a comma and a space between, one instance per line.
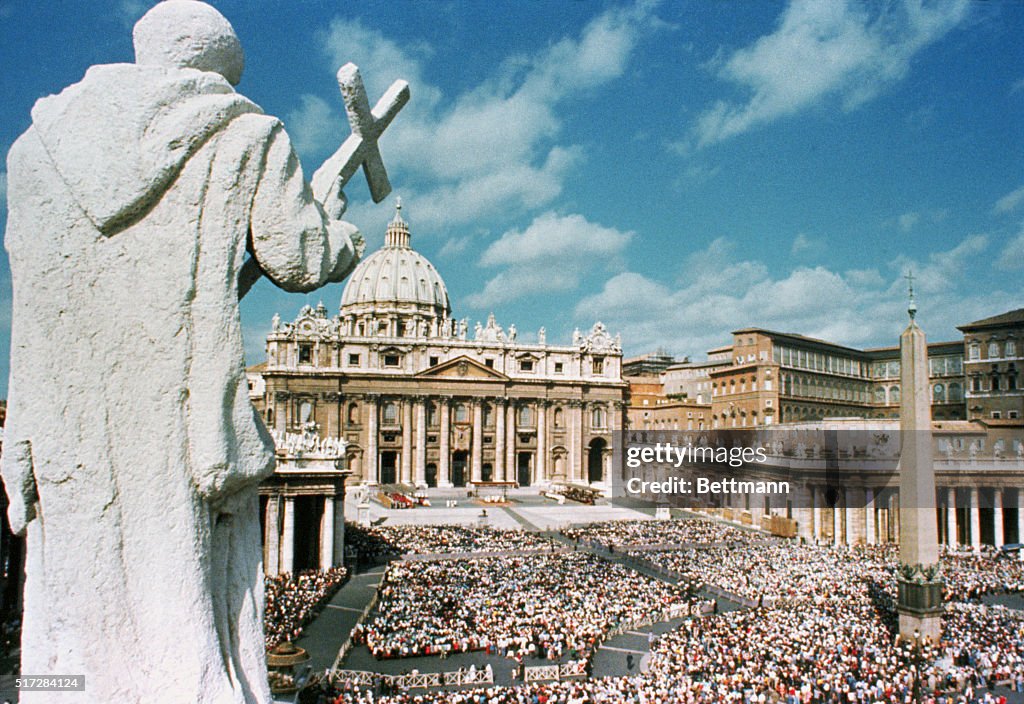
x=361, y=148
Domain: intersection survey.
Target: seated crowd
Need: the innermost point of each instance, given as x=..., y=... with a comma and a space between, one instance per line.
x=623, y=534
x=538, y=605
x=293, y=599
x=384, y=541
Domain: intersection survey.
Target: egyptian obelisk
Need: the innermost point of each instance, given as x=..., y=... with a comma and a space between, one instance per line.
x=920, y=582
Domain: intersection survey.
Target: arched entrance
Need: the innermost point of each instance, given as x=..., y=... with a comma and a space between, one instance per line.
x=459, y=461
x=431, y=474
x=388, y=467
x=595, y=460
x=523, y=468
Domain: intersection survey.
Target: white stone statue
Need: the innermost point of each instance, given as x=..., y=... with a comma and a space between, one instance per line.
x=542, y=337
x=131, y=454
x=512, y=332
x=275, y=322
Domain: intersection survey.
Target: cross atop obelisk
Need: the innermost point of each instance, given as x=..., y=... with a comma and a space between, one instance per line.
x=920, y=584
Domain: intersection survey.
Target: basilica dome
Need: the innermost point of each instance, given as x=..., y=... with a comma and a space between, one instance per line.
x=396, y=283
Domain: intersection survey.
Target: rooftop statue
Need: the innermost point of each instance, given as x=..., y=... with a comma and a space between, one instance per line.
x=132, y=454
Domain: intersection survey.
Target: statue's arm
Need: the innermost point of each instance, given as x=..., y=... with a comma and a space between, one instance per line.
x=294, y=240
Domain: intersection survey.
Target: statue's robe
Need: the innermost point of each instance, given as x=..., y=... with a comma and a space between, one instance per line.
x=133, y=199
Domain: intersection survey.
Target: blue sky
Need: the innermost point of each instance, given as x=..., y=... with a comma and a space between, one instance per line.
x=677, y=170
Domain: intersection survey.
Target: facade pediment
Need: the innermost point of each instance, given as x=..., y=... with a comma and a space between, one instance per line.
x=462, y=368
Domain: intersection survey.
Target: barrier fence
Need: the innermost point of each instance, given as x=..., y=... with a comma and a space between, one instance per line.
x=417, y=680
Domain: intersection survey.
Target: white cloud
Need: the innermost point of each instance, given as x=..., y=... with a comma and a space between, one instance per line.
x=819, y=50
x=804, y=244
x=1012, y=256
x=314, y=126
x=129, y=11
x=907, y=221
x=454, y=246
x=1010, y=201
x=862, y=307
x=493, y=149
x=552, y=254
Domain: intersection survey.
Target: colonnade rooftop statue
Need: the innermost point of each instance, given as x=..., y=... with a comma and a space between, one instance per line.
x=134, y=199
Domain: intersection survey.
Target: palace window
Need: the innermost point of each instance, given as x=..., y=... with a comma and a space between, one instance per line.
x=956, y=393
x=489, y=362
x=434, y=361
x=305, y=353
x=1011, y=348
x=305, y=412
x=597, y=365
x=938, y=393
x=974, y=351
x=525, y=416
x=432, y=414
x=392, y=360
x=353, y=360
x=390, y=414
x=526, y=365
x=993, y=350
x=597, y=418
x=558, y=367
x=461, y=413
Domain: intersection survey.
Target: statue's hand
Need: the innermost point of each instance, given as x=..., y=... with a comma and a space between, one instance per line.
x=335, y=203
x=348, y=246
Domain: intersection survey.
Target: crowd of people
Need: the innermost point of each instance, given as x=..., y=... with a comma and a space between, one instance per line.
x=524, y=606
x=825, y=631
x=293, y=599
x=628, y=533
x=390, y=541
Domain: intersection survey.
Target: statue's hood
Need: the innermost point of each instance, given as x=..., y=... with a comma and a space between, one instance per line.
x=120, y=136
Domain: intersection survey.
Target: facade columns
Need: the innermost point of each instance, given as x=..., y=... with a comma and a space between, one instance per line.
x=951, y=534
x=499, y=439
x=510, y=442
x=327, y=535
x=975, y=511
x=576, y=433
x=420, y=477
x=837, y=519
x=444, y=475
x=852, y=533
x=372, y=436
x=478, y=439
x=997, y=517
x=816, y=503
x=542, y=442
x=272, y=537
x=1020, y=515
x=288, y=536
x=870, y=532
x=406, y=477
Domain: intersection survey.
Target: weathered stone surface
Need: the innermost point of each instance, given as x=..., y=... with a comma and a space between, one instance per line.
x=132, y=454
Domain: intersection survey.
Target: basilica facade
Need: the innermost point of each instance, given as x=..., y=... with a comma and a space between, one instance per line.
x=417, y=397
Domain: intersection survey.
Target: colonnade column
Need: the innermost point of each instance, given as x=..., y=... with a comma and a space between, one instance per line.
x=478, y=447
x=372, y=435
x=816, y=503
x=288, y=536
x=444, y=476
x=421, y=441
x=510, y=441
x=837, y=520
x=406, y=477
x=327, y=535
x=338, y=534
x=272, y=537
x=542, y=441
x=499, y=439
x=851, y=518
x=997, y=518
x=870, y=532
x=1020, y=516
x=975, y=511
x=951, y=536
